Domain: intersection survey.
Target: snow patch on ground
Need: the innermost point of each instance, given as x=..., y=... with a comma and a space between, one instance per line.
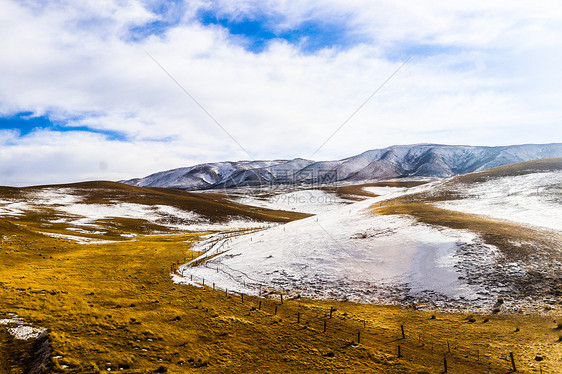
x=382, y=191
x=54, y=196
x=94, y=212
x=27, y=332
x=79, y=239
x=11, y=321
x=233, y=224
x=21, y=330
x=12, y=208
x=89, y=232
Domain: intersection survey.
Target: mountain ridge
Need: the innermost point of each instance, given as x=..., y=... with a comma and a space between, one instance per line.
x=398, y=161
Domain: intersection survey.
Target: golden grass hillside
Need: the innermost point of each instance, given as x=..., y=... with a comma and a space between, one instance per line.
x=114, y=307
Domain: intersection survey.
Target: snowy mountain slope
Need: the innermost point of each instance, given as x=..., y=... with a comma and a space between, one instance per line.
x=353, y=253
x=200, y=176
x=430, y=160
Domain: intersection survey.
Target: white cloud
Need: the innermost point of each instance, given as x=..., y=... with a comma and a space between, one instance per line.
x=482, y=73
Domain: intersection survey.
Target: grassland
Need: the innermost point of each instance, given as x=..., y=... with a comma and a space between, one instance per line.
x=113, y=306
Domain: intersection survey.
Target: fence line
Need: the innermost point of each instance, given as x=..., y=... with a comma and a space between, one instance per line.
x=402, y=343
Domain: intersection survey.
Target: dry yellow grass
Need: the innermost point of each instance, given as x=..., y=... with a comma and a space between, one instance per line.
x=112, y=306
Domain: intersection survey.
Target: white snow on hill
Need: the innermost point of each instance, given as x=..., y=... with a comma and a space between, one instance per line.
x=382, y=191
x=71, y=210
x=533, y=199
x=349, y=253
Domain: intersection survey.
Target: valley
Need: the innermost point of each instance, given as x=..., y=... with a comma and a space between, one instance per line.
x=143, y=280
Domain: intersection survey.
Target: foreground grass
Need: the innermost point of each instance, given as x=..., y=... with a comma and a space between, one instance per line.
x=113, y=306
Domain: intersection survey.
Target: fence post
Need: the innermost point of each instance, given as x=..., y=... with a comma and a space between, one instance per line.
x=512, y=361
x=213, y=286
x=203, y=282
x=331, y=310
x=324, y=326
x=444, y=364
x=259, y=305
x=298, y=318
x=402, y=328
x=275, y=309
x=281, y=298
x=358, y=336
x=399, y=352
x=448, y=347
x=242, y=297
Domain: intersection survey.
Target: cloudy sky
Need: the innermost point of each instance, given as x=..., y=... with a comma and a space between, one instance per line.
x=100, y=89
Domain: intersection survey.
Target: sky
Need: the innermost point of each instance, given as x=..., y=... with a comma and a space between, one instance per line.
x=115, y=89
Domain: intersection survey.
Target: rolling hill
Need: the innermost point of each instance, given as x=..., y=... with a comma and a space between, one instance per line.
x=94, y=211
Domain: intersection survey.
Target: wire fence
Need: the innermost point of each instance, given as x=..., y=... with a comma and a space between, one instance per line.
x=398, y=341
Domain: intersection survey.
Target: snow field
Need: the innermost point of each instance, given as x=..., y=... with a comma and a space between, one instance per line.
x=345, y=253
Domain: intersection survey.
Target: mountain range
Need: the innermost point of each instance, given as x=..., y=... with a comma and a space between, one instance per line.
x=399, y=161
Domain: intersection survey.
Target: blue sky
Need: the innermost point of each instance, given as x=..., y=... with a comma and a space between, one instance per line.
x=25, y=123
x=79, y=84
x=258, y=31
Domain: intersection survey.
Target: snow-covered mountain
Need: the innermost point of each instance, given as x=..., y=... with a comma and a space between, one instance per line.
x=422, y=160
